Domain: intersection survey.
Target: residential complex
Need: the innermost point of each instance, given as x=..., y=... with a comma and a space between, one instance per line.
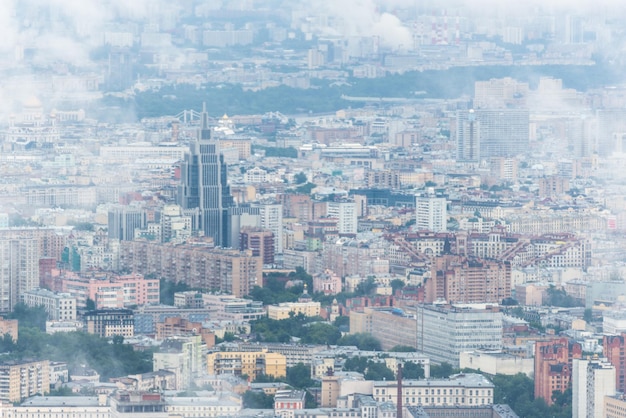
x=199, y=266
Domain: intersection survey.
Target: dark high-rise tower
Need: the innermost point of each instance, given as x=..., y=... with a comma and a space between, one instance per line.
x=467, y=136
x=205, y=185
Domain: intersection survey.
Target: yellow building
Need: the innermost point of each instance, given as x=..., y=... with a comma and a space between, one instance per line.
x=615, y=406
x=249, y=363
x=305, y=306
x=282, y=310
x=20, y=380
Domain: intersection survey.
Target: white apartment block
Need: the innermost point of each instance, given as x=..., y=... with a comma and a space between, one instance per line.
x=19, y=272
x=444, y=332
x=59, y=306
x=592, y=381
x=272, y=220
x=431, y=213
x=346, y=215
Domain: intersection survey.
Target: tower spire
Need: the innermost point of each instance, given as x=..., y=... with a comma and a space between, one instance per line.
x=205, y=130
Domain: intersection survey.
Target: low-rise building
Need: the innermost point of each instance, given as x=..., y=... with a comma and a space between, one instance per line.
x=59, y=407
x=174, y=326
x=110, y=322
x=249, y=363
x=58, y=306
x=462, y=389
x=496, y=362
x=285, y=400
x=63, y=326
x=304, y=306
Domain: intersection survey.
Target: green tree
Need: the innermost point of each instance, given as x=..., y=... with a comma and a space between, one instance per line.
x=299, y=376
x=266, y=378
x=168, y=288
x=518, y=392
x=300, y=178
x=83, y=226
x=90, y=304
x=29, y=317
x=306, y=188
x=362, y=341
x=62, y=391
x=378, y=371
x=228, y=337
x=411, y=370
x=257, y=400
x=7, y=344
x=356, y=364
x=558, y=297
x=588, y=315
x=321, y=333
x=442, y=370
x=366, y=287
x=403, y=349
x=342, y=321
x=397, y=284
x=309, y=401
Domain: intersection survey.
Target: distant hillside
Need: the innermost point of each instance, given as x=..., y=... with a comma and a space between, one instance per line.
x=446, y=84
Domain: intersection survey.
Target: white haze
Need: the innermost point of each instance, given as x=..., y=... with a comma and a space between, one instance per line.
x=64, y=30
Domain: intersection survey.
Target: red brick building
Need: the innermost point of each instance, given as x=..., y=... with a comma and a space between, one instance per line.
x=553, y=366
x=615, y=351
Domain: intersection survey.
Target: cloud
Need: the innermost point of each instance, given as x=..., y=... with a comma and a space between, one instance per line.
x=66, y=30
x=361, y=18
x=392, y=32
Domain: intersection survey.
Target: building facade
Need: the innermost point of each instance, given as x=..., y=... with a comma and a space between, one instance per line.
x=110, y=322
x=200, y=266
x=431, y=213
x=592, y=381
x=457, y=279
x=464, y=390
x=346, y=215
x=260, y=241
x=614, y=347
x=553, y=366
x=250, y=363
x=444, y=331
x=205, y=185
x=21, y=379
x=58, y=306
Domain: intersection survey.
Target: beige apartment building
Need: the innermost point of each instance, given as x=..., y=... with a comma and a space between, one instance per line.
x=250, y=363
x=22, y=379
x=229, y=271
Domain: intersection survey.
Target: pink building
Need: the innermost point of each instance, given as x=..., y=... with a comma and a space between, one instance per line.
x=328, y=282
x=112, y=291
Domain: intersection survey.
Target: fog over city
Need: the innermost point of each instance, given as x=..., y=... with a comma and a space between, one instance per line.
x=328, y=209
